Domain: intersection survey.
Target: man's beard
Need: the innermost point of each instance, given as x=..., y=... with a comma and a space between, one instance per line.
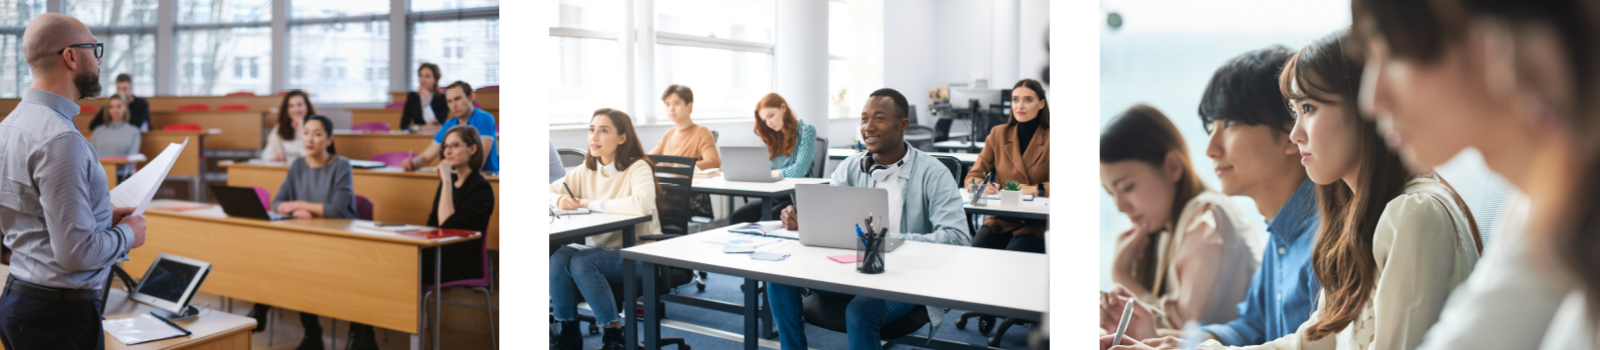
x=88, y=84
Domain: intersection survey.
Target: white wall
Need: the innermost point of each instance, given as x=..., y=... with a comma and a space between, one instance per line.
x=1035, y=24
x=910, y=51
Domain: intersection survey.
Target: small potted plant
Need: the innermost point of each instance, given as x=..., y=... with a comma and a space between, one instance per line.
x=1010, y=195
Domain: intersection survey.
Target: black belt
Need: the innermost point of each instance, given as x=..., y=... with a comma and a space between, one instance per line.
x=51, y=294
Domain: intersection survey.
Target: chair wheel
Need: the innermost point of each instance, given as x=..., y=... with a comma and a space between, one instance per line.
x=700, y=286
x=985, y=324
x=594, y=329
x=994, y=342
x=703, y=275
x=961, y=323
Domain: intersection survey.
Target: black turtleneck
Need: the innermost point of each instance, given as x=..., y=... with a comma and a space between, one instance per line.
x=1025, y=132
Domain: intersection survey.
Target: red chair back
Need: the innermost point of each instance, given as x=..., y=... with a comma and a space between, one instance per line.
x=371, y=127
x=88, y=109
x=194, y=108
x=182, y=127
x=233, y=108
x=266, y=198
x=393, y=159
x=363, y=208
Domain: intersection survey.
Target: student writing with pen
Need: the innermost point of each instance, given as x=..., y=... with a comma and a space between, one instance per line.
x=616, y=178
x=1018, y=150
x=924, y=205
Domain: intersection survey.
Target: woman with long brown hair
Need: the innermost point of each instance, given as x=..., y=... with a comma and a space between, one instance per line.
x=1010, y=159
x=1393, y=243
x=1514, y=81
x=1190, y=254
x=791, y=146
x=616, y=178
x=282, y=143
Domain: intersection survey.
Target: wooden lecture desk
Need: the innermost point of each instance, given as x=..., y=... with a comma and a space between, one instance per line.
x=397, y=196
x=110, y=165
x=330, y=267
x=365, y=145
x=211, y=330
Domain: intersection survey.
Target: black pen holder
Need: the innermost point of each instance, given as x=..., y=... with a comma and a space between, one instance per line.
x=869, y=255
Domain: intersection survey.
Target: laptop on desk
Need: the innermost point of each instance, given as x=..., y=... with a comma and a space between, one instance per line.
x=747, y=164
x=243, y=202
x=829, y=214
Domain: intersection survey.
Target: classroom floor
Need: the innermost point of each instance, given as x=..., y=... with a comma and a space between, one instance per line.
x=466, y=326
x=713, y=330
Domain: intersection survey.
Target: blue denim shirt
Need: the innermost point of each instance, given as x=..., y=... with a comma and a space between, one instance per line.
x=931, y=208
x=1282, y=290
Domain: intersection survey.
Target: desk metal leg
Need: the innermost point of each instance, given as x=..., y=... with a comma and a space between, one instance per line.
x=630, y=332
x=652, y=307
x=751, y=327
x=766, y=209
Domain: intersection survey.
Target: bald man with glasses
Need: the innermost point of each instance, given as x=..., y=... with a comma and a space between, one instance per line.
x=55, y=209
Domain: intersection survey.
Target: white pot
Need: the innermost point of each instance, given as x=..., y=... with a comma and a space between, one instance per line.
x=1010, y=199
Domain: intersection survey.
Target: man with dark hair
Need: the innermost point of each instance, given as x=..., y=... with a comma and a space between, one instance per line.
x=1244, y=112
x=460, y=98
x=138, y=108
x=924, y=205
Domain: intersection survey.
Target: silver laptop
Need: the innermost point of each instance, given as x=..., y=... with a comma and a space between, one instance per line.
x=829, y=214
x=747, y=164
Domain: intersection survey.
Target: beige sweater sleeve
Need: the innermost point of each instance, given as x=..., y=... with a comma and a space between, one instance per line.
x=707, y=147
x=1195, y=263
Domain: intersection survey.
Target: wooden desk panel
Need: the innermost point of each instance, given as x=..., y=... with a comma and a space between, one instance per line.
x=111, y=174
x=293, y=264
x=240, y=130
x=487, y=99
x=189, y=161
x=369, y=115
x=396, y=196
x=364, y=146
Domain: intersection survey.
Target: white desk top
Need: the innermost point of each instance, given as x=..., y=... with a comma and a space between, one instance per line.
x=999, y=282
x=955, y=143
x=842, y=153
x=784, y=185
x=568, y=226
x=1025, y=209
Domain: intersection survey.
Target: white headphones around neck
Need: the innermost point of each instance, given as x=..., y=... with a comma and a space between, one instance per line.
x=879, y=172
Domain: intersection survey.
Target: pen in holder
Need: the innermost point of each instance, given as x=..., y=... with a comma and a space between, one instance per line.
x=976, y=192
x=869, y=248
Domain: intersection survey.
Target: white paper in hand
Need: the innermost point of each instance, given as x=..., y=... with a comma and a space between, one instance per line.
x=141, y=187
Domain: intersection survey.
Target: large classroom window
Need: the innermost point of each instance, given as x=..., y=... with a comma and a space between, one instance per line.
x=467, y=50
x=215, y=39
x=14, y=74
x=587, y=63
x=332, y=44
x=127, y=27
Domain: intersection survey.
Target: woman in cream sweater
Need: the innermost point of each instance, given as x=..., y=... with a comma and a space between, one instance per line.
x=616, y=178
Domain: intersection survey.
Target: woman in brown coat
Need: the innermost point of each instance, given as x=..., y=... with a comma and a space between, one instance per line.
x=1017, y=151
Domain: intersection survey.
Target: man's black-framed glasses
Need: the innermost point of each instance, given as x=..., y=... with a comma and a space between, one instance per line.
x=99, y=48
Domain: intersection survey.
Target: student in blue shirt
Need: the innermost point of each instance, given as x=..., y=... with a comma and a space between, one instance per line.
x=459, y=96
x=1249, y=126
x=924, y=205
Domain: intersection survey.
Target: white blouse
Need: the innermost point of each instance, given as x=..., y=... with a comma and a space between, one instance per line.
x=1509, y=300
x=290, y=149
x=1423, y=248
x=1209, y=263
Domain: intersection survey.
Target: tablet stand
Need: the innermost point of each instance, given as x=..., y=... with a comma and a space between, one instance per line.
x=188, y=311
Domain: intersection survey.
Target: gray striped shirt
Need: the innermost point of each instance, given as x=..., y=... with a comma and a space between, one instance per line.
x=55, y=211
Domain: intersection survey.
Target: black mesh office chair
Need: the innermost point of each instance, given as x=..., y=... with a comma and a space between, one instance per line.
x=829, y=313
x=570, y=157
x=920, y=137
x=819, y=160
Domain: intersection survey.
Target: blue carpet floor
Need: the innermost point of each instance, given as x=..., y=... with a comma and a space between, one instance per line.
x=726, y=288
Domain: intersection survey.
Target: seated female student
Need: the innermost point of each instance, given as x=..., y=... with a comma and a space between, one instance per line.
x=1440, y=93
x=426, y=108
x=1008, y=157
x=115, y=136
x=1393, y=243
x=615, y=178
x=686, y=139
x=1190, y=254
x=318, y=185
x=282, y=143
x=791, y=144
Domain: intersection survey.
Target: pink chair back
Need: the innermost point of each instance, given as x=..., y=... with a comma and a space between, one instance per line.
x=371, y=126
x=395, y=105
x=233, y=108
x=363, y=208
x=194, y=108
x=393, y=159
x=266, y=198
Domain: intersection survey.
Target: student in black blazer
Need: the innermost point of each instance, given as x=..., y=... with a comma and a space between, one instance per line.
x=436, y=112
x=138, y=108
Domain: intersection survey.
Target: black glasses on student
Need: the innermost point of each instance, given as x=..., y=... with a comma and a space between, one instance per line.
x=99, y=48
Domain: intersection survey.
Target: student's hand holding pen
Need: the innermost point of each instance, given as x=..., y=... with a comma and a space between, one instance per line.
x=1141, y=323
x=568, y=203
x=790, y=218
